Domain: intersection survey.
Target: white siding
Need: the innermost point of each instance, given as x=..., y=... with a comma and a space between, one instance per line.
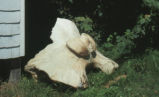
x=22, y=28
x=10, y=41
x=10, y=17
x=9, y=29
x=12, y=30
x=9, y=5
x=9, y=53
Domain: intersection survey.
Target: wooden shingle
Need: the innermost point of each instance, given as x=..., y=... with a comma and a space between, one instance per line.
x=9, y=5
x=9, y=41
x=9, y=29
x=12, y=28
x=6, y=53
x=9, y=17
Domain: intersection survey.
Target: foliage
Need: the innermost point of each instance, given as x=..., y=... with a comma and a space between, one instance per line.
x=138, y=34
x=86, y=25
x=126, y=31
x=141, y=36
x=153, y=4
x=122, y=45
x=118, y=44
x=28, y=88
x=142, y=77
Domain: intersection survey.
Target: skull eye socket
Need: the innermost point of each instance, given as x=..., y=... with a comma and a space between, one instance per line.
x=93, y=54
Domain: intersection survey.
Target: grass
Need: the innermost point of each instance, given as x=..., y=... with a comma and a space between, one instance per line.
x=141, y=81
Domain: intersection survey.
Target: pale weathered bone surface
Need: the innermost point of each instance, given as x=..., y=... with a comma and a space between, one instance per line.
x=64, y=30
x=66, y=58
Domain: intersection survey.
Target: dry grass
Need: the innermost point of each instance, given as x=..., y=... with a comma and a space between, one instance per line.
x=10, y=90
x=115, y=80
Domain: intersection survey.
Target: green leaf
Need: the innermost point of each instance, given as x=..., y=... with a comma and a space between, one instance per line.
x=71, y=1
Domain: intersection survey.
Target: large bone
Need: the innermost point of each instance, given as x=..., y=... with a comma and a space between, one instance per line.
x=66, y=59
x=105, y=64
x=82, y=46
x=60, y=65
x=64, y=30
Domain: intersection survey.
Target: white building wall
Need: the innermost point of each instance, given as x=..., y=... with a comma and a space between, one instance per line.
x=12, y=29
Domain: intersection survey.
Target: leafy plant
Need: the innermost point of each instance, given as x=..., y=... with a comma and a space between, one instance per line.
x=86, y=25
x=124, y=44
x=142, y=77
